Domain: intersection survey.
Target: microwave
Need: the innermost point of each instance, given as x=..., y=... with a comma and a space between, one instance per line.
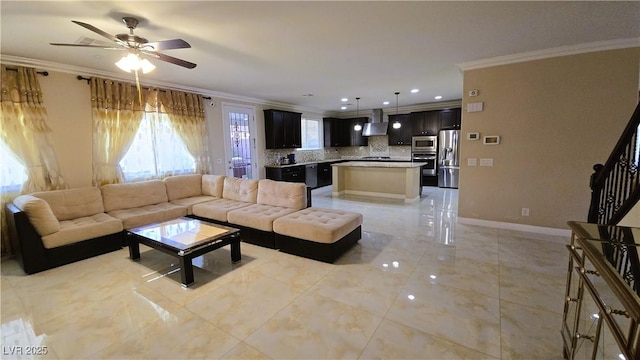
x=424, y=144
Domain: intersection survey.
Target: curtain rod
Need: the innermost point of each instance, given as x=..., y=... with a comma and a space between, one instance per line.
x=43, y=73
x=88, y=80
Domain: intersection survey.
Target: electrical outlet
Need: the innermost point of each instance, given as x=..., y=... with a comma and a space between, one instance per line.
x=525, y=211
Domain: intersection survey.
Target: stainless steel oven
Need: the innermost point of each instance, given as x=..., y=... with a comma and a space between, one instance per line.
x=424, y=144
x=430, y=169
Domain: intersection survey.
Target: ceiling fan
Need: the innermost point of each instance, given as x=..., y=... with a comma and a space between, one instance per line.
x=136, y=46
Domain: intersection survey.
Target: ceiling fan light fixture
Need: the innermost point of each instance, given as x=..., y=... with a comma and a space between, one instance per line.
x=133, y=62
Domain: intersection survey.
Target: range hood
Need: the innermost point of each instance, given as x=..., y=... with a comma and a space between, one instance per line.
x=376, y=126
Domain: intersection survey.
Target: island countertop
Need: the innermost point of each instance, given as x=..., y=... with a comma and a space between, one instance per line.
x=381, y=164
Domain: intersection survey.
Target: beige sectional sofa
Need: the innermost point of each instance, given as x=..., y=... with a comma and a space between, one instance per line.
x=53, y=228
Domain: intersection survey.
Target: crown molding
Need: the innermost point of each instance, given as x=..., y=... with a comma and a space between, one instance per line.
x=87, y=72
x=552, y=52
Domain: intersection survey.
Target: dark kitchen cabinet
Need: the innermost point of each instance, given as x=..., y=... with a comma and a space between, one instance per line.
x=430, y=122
x=426, y=122
x=336, y=132
x=401, y=136
x=450, y=118
x=356, y=136
x=325, y=174
x=340, y=132
x=288, y=173
x=283, y=129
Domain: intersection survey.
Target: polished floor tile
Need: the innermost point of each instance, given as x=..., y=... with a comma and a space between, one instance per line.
x=418, y=285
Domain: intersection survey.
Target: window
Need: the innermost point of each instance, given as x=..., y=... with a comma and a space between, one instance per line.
x=12, y=172
x=312, y=134
x=157, y=151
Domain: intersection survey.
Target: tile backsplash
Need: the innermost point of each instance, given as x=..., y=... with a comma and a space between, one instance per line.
x=378, y=146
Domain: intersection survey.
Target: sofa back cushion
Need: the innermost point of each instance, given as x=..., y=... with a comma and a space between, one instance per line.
x=240, y=189
x=283, y=194
x=212, y=185
x=71, y=204
x=132, y=195
x=183, y=186
x=39, y=214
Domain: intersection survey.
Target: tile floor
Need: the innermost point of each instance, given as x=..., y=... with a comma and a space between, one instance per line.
x=417, y=286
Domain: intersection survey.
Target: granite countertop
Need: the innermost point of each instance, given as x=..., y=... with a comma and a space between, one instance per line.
x=302, y=163
x=381, y=164
x=344, y=158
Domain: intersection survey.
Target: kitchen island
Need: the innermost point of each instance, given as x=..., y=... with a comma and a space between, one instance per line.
x=397, y=180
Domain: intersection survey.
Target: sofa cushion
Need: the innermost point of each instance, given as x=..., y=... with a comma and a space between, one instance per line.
x=319, y=225
x=133, y=195
x=73, y=203
x=190, y=201
x=212, y=185
x=83, y=228
x=283, y=194
x=240, y=189
x=183, y=186
x=148, y=214
x=258, y=216
x=217, y=209
x=39, y=214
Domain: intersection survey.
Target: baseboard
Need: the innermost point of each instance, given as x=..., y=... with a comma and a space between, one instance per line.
x=517, y=227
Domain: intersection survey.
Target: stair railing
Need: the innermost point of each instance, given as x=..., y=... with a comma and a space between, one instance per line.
x=615, y=186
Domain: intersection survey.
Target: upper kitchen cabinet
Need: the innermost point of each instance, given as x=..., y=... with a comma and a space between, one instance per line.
x=401, y=136
x=356, y=135
x=426, y=122
x=430, y=122
x=337, y=132
x=450, y=118
x=283, y=129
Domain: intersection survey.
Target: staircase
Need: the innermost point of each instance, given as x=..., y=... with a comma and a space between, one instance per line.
x=615, y=186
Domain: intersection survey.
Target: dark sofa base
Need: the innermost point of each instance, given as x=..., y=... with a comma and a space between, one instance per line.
x=34, y=257
x=290, y=245
x=318, y=251
x=247, y=234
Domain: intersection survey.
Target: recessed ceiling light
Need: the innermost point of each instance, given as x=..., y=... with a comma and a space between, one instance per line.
x=385, y=103
x=344, y=99
x=413, y=91
x=343, y=108
x=438, y=97
x=307, y=95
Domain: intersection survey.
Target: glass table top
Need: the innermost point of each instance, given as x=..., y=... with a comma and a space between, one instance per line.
x=183, y=233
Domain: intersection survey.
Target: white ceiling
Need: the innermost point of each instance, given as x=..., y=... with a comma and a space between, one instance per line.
x=280, y=51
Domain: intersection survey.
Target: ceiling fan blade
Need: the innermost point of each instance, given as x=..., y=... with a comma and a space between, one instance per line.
x=97, y=31
x=167, y=44
x=170, y=59
x=90, y=46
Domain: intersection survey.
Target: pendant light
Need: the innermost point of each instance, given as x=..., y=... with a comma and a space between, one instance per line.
x=397, y=124
x=357, y=126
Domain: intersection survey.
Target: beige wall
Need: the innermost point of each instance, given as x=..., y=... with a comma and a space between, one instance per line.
x=556, y=118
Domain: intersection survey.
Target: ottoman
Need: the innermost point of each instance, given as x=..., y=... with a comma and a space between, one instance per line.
x=319, y=234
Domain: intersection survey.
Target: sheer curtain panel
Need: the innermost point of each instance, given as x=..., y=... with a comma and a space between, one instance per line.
x=117, y=113
x=186, y=113
x=25, y=133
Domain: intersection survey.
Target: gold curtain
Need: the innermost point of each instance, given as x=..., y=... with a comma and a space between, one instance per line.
x=117, y=113
x=24, y=130
x=186, y=113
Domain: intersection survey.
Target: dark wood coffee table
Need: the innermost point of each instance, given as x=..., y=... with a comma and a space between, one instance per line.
x=184, y=238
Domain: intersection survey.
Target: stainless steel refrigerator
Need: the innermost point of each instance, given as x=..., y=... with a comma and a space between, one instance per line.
x=448, y=158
